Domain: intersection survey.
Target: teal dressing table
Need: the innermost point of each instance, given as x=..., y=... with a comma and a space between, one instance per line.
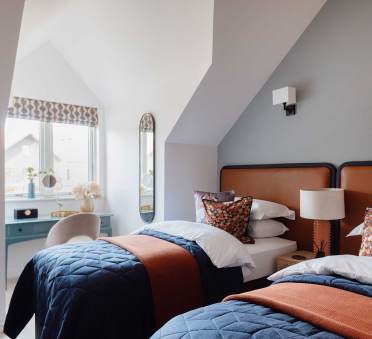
x=19, y=230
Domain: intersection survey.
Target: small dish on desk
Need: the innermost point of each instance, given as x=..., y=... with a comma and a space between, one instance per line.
x=62, y=214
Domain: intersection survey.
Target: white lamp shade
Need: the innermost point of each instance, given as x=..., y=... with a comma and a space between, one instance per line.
x=322, y=203
x=285, y=95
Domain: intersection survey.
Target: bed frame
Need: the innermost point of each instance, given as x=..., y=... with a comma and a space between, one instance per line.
x=281, y=183
x=356, y=178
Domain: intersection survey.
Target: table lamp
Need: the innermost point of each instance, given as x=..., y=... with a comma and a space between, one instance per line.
x=322, y=205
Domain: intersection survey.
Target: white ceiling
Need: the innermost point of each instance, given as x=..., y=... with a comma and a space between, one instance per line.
x=110, y=43
x=40, y=19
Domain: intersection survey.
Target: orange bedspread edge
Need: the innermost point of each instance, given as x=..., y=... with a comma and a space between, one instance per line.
x=173, y=273
x=342, y=312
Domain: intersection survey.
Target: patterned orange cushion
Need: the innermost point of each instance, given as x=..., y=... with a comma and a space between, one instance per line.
x=366, y=247
x=232, y=217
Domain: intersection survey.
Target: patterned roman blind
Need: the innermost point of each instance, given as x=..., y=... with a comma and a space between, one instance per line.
x=48, y=111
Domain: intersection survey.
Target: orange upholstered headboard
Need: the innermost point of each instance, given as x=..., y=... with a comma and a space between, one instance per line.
x=356, y=179
x=281, y=184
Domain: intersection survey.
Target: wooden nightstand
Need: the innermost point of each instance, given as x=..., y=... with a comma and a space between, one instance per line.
x=286, y=260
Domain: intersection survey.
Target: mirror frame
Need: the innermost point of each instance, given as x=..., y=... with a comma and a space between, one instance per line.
x=147, y=116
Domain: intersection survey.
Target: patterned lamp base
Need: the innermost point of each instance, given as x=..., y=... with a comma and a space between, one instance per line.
x=322, y=238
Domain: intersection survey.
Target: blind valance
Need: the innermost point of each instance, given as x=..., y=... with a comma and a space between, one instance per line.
x=48, y=111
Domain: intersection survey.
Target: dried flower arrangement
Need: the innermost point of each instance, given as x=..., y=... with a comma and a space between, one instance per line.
x=87, y=193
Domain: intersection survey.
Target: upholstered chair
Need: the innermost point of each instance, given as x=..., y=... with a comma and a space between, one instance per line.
x=74, y=228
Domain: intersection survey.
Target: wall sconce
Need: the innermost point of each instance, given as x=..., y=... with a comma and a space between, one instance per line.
x=287, y=97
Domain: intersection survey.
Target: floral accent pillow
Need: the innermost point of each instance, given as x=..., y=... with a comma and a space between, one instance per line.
x=218, y=196
x=366, y=247
x=232, y=217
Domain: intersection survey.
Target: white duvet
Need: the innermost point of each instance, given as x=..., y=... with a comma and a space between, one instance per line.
x=223, y=249
x=349, y=266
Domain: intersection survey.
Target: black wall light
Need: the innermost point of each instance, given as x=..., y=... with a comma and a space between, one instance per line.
x=287, y=97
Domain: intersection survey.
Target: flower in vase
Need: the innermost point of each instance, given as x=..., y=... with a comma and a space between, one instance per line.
x=87, y=193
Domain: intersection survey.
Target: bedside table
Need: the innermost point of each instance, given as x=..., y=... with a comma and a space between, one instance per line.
x=286, y=260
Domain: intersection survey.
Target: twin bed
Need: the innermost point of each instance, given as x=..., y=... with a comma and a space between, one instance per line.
x=321, y=298
x=281, y=184
x=103, y=290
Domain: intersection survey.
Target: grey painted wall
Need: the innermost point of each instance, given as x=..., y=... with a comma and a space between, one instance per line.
x=187, y=168
x=331, y=67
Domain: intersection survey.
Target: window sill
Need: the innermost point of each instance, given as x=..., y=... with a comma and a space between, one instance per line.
x=39, y=198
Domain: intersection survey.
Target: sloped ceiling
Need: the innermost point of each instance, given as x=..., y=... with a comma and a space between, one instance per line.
x=250, y=40
x=40, y=19
x=108, y=43
x=103, y=43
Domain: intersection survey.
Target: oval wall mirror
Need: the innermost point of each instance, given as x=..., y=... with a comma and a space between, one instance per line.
x=147, y=167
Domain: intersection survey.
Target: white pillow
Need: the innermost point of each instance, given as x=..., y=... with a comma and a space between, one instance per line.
x=266, y=228
x=263, y=209
x=349, y=266
x=222, y=248
x=357, y=230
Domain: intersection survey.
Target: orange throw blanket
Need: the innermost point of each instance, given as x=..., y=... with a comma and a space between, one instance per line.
x=173, y=273
x=342, y=312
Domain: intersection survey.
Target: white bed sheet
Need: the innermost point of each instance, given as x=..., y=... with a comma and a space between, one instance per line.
x=264, y=253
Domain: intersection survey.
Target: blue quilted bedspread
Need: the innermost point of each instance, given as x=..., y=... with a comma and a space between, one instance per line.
x=98, y=290
x=238, y=319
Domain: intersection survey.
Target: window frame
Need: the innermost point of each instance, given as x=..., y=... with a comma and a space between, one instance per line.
x=46, y=160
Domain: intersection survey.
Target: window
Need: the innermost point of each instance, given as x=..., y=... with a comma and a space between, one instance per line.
x=22, y=139
x=67, y=149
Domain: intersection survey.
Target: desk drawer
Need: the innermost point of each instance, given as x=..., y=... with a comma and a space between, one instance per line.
x=24, y=229
x=41, y=228
x=29, y=229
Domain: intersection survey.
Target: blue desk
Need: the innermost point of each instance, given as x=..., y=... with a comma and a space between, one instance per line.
x=19, y=230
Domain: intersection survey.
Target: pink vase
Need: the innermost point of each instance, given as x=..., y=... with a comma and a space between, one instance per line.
x=87, y=205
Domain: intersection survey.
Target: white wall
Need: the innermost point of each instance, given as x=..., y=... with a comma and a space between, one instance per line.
x=188, y=168
x=10, y=23
x=44, y=74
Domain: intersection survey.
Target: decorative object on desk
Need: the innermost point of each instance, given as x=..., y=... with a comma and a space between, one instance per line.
x=87, y=193
x=31, y=175
x=48, y=182
x=322, y=205
x=25, y=213
x=147, y=167
x=62, y=214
